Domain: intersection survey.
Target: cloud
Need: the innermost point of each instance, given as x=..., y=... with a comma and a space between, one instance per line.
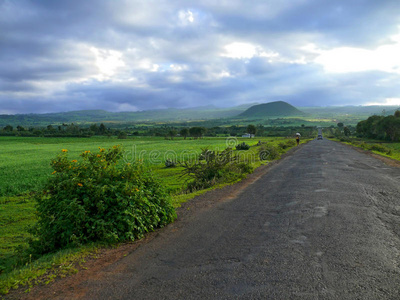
x=119, y=55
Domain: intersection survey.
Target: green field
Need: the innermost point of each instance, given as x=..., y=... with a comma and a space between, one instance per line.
x=25, y=161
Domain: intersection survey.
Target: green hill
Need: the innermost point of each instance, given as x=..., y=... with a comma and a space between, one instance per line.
x=271, y=109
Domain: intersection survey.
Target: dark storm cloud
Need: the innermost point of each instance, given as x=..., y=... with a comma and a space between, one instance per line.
x=135, y=55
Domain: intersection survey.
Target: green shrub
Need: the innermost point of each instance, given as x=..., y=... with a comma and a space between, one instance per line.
x=206, y=154
x=379, y=148
x=97, y=200
x=291, y=143
x=242, y=146
x=345, y=139
x=287, y=144
x=213, y=169
x=122, y=135
x=170, y=163
x=268, y=152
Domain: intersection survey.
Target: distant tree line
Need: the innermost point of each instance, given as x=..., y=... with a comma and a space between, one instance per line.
x=381, y=127
x=168, y=131
x=64, y=130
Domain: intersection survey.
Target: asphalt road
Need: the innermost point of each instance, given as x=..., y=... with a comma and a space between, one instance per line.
x=322, y=224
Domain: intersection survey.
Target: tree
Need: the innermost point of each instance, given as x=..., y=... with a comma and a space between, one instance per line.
x=340, y=124
x=94, y=128
x=346, y=131
x=8, y=128
x=197, y=132
x=122, y=135
x=172, y=133
x=391, y=126
x=102, y=129
x=184, y=132
x=397, y=113
x=20, y=128
x=251, y=129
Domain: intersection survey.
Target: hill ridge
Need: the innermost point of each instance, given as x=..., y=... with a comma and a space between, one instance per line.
x=271, y=109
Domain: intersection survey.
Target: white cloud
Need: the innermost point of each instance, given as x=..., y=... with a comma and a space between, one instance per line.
x=186, y=17
x=240, y=50
x=385, y=58
x=387, y=101
x=107, y=61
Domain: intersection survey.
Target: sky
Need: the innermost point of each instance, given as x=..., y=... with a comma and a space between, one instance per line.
x=121, y=55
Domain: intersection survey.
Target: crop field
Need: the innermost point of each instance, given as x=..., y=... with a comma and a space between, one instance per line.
x=25, y=162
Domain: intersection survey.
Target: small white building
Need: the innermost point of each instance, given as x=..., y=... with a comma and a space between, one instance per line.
x=248, y=135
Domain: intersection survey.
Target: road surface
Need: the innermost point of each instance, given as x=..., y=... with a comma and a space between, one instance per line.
x=322, y=224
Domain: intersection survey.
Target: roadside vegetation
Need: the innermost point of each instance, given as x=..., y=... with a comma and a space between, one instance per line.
x=55, y=210
x=378, y=134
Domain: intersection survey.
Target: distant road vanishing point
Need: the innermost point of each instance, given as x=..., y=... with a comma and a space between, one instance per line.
x=324, y=223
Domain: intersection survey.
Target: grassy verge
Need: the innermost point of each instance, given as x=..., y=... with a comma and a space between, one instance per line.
x=18, y=212
x=387, y=149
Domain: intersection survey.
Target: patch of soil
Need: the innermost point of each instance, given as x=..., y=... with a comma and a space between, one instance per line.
x=68, y=287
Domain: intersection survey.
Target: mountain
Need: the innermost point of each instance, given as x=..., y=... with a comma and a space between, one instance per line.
x=98, y=116
x=271, y=109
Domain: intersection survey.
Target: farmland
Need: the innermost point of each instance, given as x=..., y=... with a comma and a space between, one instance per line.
x=25, y=162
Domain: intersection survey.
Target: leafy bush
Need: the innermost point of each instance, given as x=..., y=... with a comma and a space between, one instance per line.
x=97, y=200
x=170, y=163
x=206, y=154
x=291, y=143
x=217, y=168
x=122, y=135
x=268, y=152
x=379, y=148
x=345, y=139
x=242, y=146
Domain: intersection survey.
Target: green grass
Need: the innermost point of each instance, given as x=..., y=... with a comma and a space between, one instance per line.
x=25, y=166
x=25, y=161
x=16, y=213
x=395, y=150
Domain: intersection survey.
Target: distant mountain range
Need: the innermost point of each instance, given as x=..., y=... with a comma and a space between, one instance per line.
x=271, y=109
x=90, y=116
x=251, y=111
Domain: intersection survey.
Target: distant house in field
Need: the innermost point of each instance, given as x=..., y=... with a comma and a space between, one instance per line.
x=248, y=135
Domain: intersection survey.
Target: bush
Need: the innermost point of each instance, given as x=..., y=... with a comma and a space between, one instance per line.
x=287, y=144
x=170, y=163
x=206, y=154
x=379, y=148
x=97, y=200
x=242, y=146
x=345, y=139
x=268, y=152
x=213, y=169
x=291, y=143
x=122, y=135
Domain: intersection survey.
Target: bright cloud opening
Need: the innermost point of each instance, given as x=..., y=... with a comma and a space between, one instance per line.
x=186, y=17
x=107, y=61
x=240, y=50
x=387, y=101
x=385, y=58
